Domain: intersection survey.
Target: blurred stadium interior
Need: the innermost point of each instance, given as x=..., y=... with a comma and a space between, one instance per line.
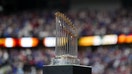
x=27, y=34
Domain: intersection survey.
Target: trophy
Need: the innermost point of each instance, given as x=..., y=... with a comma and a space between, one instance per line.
x=65, y=61
x=66, y=41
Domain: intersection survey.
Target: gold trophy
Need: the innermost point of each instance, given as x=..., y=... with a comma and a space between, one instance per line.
x=66, y=41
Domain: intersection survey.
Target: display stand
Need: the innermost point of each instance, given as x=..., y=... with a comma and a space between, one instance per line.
x=67, y=69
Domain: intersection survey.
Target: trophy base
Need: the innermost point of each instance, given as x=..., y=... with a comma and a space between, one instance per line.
x=67, y=69
x=65, y=60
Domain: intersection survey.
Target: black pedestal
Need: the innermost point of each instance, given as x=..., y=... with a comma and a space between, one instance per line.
x=67, y=69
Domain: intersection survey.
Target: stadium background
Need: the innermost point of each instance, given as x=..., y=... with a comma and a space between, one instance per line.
x=27, y=32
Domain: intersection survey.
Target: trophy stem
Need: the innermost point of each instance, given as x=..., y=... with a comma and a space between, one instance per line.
x=65, y=60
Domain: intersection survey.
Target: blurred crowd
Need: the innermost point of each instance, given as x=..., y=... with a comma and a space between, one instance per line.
x=103, y=59
x=89, y=22
x=108, y=60
x=24, y=61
